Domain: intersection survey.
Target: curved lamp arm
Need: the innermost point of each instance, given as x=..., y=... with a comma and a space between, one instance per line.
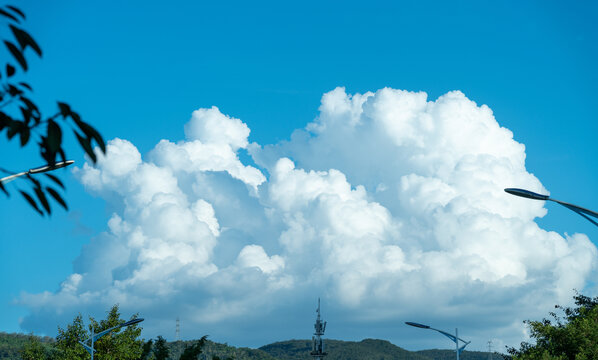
x=448, y=335
x=586, y=213
x=37, y=170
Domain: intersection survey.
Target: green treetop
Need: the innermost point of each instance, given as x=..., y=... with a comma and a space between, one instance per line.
x=573, y=336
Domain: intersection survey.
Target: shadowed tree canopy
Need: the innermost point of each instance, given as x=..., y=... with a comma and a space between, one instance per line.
x=34, y=349
x=161, y=351
x=21, y=119
x=146, y=350
x=192, y=352
x=573, y=336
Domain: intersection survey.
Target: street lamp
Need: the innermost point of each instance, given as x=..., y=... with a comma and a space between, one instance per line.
x=95, y=337
x=37, y=170
x=454, y=338
x=534, y=196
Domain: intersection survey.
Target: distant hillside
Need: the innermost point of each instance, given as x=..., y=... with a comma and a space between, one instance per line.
x=465, y=355
x=11, y=344
x=223, y=351
x=368, y=349
x=342, y=350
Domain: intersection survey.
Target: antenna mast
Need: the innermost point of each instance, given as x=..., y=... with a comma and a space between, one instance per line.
x=178, y=329
x=318, y=344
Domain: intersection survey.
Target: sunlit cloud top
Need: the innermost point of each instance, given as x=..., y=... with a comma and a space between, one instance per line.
x=388, y=204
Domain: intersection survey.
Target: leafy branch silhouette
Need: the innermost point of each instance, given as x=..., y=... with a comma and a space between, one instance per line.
x=21, y=118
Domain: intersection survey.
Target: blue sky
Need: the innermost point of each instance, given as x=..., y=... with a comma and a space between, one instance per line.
x=137, y=71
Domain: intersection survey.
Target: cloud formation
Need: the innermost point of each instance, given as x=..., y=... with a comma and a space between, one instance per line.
x=388, y=205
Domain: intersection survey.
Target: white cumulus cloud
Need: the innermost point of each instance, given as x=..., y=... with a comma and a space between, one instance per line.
x=388, y=205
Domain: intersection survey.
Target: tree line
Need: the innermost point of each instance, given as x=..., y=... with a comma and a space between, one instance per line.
x=569, y=333
x=120, y=344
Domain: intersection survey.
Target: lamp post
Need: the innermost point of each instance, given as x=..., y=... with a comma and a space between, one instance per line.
x=454, y=338
x=95, y=337
x=534, y=196
x=37, y=170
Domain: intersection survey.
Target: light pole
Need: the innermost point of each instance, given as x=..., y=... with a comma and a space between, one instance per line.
x=454, y=338
x=95, y=337
x=534, y=196
x=37, y=170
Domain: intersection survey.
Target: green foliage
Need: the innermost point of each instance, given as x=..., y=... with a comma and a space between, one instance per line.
x=20, y=118
x=34, y=349
x=346, y=350
x=573, y=336
x=214, y=357
x=437, y=354
x=212, y=350
x=120, y=344
x=67, y=341
x=13, y=345
x=368, y=349
x=192, y=352
x=161, y=351
x=146, y=350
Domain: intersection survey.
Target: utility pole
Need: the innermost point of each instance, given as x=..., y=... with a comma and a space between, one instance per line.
x=318, y=345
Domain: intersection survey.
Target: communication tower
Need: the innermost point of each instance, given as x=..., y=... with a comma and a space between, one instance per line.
x=318, y=344
x=178, y=329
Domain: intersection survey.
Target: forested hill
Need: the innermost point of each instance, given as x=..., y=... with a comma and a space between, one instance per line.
x=465, y=355
x=364, y=350
x=12, y=344
x=222, y=351
x=342, y=350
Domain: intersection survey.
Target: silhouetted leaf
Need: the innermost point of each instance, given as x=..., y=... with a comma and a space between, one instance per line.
x=29, y=103
x=65, y=109
x=5, y=120
x=15, y=9
x=25, y=133
x=100, y=141
x=62, y=155
x=26, y=86
x=43, y=148
x=57, y=197
x=10, y=70
x=75, y=116
x=89, y=131
x=16, y=53
x=55, y=179
x=54, y=136
x=34, y=181
x=34, y=111
x=25, y=40
x=86, y=145
x=26, y=115
x=31, y=201
x=14, y=128
x=3, y=189
x=14, y=91
x=8, y=15
x=43, y=199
